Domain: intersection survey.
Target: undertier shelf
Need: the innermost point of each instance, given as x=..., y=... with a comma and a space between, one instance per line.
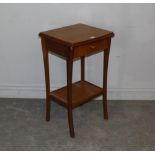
x=82, y=92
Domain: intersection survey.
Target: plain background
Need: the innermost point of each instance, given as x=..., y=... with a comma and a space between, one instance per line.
x=132, y=58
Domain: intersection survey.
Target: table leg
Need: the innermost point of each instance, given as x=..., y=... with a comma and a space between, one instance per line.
x=82, y=68
x=47, y=79
x=69, y=94
x=105, y=72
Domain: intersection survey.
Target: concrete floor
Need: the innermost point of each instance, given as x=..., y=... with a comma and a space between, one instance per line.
x=131, y=126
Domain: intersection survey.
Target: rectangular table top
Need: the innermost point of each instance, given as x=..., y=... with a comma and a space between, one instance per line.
x=77, y=34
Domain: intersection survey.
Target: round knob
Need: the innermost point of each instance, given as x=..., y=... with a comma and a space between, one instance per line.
x=92, y=47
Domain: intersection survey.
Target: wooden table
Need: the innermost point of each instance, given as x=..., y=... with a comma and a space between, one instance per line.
x=72, y=42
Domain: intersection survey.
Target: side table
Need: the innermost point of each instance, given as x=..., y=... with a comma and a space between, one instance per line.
x=72, y=42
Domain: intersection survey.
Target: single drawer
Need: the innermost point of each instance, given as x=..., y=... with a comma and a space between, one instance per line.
x=90, y=48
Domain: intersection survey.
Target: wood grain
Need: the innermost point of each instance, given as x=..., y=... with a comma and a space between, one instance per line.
x=72, y=42
x=77, y=34
x=90, y=48
x=82, y=92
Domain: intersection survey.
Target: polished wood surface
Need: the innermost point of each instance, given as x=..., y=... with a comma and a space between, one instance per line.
x=82, y=92
x=90, y=48
x=72, y=42
x=76, y=34
x=83, y=68
x=47, y=78
x=69, y=65
x=105, y=75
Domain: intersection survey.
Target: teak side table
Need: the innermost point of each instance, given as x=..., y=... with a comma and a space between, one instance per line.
x=71, y=42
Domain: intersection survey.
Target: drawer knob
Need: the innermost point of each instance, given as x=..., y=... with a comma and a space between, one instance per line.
x=92, y=47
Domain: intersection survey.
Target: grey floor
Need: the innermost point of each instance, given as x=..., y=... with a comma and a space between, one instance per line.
x=131, y=126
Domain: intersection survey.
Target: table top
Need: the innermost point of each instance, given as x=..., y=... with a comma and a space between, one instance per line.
x=77, y=34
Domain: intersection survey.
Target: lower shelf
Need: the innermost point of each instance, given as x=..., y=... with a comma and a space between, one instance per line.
x=82, y=92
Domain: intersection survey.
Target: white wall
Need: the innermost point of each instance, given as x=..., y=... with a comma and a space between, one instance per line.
x=132, y=58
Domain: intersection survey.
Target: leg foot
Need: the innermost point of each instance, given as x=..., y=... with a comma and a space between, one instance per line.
x=48, y=109
x=71, y=126
x=106, y=116
x=105, y=111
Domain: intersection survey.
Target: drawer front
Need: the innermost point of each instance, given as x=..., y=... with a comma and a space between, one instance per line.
x=90, y=48
x=57, y=48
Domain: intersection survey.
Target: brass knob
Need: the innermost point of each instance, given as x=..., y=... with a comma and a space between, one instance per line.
x=92, y=47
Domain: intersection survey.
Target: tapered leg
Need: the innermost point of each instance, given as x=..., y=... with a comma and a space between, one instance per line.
x=105, y=72
x=83, y=68
x=47, y=79
x=69, y=94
